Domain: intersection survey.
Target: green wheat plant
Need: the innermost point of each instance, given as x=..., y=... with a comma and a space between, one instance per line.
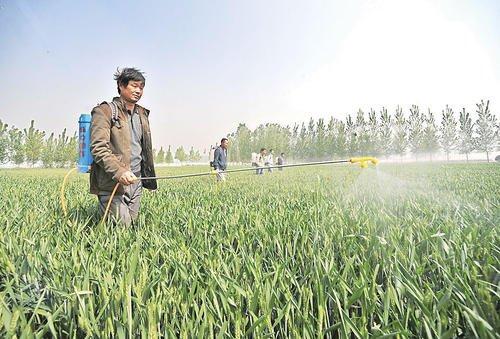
x=336, y=251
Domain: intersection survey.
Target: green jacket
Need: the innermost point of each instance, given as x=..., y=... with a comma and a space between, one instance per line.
x=110, y=147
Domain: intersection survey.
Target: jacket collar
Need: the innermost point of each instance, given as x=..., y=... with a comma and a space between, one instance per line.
x=121, y=104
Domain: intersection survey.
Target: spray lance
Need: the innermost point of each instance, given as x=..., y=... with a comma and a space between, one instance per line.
x=362, y=161
x=85, y=160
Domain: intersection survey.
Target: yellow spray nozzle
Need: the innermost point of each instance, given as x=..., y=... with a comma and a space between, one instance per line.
x=363, y=161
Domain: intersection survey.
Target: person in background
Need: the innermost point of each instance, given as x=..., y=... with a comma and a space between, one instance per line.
x=220, y=159
x=211, y=154
x=281, y=161
x=269, y=161
x=261, y=161
x=254, y=159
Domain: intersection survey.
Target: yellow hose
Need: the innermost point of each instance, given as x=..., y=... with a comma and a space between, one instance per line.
x=63, y=200
x=109, y=203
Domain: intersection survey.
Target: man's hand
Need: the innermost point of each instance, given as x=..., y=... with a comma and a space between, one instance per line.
x=128, y=178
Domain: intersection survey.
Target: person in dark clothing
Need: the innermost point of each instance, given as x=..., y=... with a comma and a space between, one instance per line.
x=281, y=161
x=220, y=159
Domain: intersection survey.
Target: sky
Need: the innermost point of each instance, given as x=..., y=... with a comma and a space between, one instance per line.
x=211, y=65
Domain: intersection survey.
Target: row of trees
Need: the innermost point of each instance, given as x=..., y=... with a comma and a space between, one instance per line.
x=161, y=156
x=30, y=145
x=377, y=134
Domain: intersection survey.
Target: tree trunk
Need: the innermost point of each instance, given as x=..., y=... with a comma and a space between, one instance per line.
x=467, y=157
x=487, y=156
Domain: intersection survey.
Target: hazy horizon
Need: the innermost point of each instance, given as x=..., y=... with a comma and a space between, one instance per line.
x=210, y=66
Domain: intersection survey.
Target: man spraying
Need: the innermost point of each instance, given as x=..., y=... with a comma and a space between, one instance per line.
x=220, y=159
x=121, y=145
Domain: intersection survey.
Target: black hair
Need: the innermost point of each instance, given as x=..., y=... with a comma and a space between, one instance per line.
x=222, y=140
x=263, y=149
x=127, y=74
x=282, y=153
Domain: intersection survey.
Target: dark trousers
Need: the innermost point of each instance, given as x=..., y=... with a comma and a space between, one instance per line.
x=124, y=208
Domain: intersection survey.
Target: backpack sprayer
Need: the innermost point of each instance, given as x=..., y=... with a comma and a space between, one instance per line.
x=84, y=156
x=85, y=160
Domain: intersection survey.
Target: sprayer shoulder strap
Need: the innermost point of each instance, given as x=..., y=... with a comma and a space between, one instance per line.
x=114, y=111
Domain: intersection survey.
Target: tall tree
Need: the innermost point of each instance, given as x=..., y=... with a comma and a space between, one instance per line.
x=486, y=129
x=363, y=142
x=180, y=154
x=400, y=139
x=302, y=143
x=169, y=158
x=4, y=142
x=194, y=155
x=155, y=155
x=71, y=154
x=311, y=139
x=430, y=138
x=33, y=143
x=294, y=142
x=16, y=146
x=160, y=156
x=235, y=147
x=321, y=141
x=448, y=131
x=351, y=136
x=341, y=140
x=330, y=137
x=373, y=136
x=466, y=134
x=242, y=144
x=415, y=130
x=60, y=156
x=385, y=133
x=270, y=136
x=48, y=152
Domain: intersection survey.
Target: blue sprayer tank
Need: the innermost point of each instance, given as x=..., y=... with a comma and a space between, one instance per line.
x=84, y=156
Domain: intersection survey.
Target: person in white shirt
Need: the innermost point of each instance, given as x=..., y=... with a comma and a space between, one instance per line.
x=211, y=154
x=261, y=160
x=269, y=160
x=254, y=159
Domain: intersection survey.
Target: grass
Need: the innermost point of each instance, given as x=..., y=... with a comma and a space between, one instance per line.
x=335, y=251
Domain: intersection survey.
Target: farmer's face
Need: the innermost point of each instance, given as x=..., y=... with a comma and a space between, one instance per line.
x=132, y=92
x=225, y=143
